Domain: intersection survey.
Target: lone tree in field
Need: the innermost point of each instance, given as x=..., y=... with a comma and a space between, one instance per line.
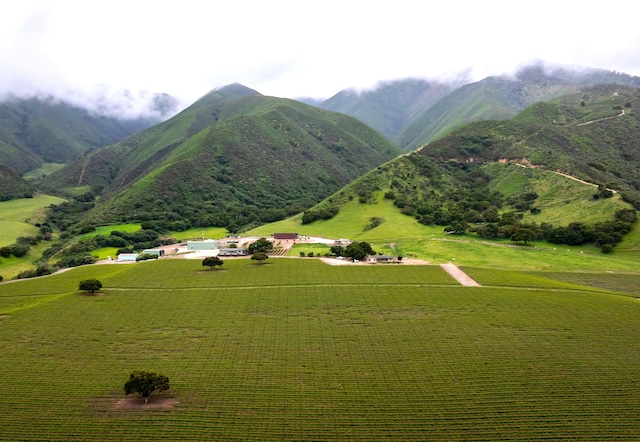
x=90, y=285
x=145, y=383
x=212, y=262
x=260, y=257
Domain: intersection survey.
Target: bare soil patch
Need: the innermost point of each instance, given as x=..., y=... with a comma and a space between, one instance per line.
x=92, y=295
x=154, y=403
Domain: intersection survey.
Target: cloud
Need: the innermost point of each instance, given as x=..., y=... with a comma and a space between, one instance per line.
x=95, y=51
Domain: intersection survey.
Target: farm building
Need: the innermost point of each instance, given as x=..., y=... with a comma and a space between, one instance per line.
x=232, y=252
x=157, y=252
x=128, y=257
x=377, y=259
x=207, y=244
x=285, y=236
x=342, y=242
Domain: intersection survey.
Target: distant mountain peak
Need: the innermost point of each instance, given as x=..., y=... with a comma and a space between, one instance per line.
x=234, y=90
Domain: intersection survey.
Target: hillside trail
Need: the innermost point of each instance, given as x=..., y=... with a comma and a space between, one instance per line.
x=600, y=119
x=566, y=176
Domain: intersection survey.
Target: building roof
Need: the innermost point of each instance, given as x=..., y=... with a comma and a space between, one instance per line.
x=285, y=236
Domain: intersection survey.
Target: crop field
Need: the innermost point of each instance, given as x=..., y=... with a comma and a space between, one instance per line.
x=294, y=349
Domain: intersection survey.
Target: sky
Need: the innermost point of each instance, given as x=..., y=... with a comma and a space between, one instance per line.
x=83, y=51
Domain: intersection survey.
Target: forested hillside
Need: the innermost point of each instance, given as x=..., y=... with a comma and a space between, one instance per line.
x=40, y=130
x=500, y=179
x=233, y=158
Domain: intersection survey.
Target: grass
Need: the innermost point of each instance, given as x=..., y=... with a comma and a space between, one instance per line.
x=106, y=230
x=403, y=235
x=17, y=217
x=199, y=232
x=562, y=199
x=42, y=171
x=298, y=350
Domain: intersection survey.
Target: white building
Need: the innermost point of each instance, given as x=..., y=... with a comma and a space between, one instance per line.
x=207, y=244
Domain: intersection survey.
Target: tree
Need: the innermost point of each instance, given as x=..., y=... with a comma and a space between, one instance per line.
x=145, y=383
x=355, y=251
x=523, y=234
x=261, y=245
x=212, y=262
x=90, y=285
x=260, y=257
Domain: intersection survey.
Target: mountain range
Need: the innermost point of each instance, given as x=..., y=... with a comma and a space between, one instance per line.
x=233, y=158
x=414, y=112
x=236, y=158
x=46, y=130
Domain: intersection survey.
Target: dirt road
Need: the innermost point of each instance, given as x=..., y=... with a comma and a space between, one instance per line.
x=459, y=275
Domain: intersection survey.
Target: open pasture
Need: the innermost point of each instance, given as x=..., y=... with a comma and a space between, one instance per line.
x=297, y=350
x=17, y=217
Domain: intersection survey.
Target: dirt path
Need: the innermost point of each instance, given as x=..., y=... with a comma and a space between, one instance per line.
x=459, y=275
x=603, y=118
x=565, y=175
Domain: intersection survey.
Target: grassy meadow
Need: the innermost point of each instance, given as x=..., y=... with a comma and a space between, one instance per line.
x=402, y=235
x=295, y=349
x=18, y=218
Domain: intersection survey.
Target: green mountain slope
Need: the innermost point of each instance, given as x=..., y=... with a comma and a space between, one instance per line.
x=36, y=131
x=233, y=158
x=12, y=185
x=534, y=177
x=591, y=135
x=391, y=106
x=414, y=112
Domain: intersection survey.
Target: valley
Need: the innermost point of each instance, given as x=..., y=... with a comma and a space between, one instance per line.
x=498, y=300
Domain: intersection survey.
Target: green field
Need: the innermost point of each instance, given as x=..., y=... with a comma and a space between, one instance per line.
x=298, y=350
x=403, y=235
x=17, y=217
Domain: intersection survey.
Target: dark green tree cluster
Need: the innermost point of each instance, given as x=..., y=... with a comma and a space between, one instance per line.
x=604, y=234
x=79, y=253
x=261, y=245
x=70, y=214
x=23, y=244
x=454, y=195
x=355, y=250
x=310, y=216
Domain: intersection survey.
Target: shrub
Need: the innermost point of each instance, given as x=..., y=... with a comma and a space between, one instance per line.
x=146, y=257
x=19, y=250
